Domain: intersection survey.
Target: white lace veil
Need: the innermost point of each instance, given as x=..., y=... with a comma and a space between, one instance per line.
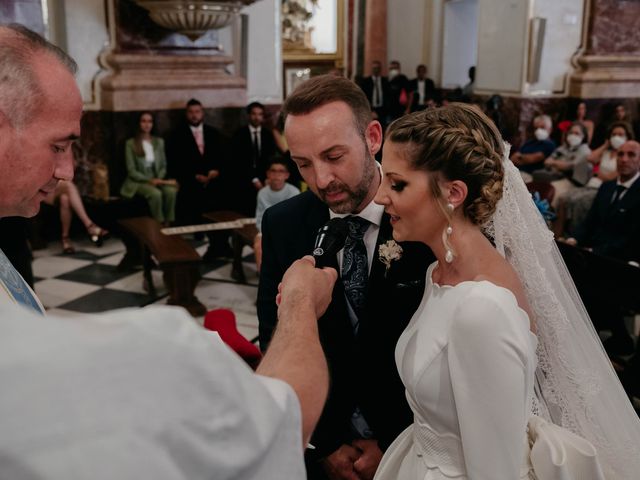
x=576, y=386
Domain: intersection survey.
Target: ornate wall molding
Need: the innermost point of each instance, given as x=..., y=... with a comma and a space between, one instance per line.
x=168, y=81
x=604, y=76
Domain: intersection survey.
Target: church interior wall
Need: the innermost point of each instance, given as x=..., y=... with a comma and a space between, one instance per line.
x=414, y=35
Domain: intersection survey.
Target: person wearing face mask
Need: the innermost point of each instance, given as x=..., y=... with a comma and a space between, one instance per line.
x=567, y=167
x=399, y=89
x=572, y=207
x=534, y=151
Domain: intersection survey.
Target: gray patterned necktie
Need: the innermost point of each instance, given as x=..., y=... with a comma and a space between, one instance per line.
x=355, y=267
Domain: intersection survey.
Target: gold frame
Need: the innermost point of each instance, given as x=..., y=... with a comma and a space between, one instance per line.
x=337, y=58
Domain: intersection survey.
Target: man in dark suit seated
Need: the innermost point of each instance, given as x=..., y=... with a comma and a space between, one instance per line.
x=333, y=140
x=195, y=152
x=612, y=229
x=252, y=147
x=612, y=226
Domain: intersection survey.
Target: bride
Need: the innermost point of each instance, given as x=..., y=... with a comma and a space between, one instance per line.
x=501, y=353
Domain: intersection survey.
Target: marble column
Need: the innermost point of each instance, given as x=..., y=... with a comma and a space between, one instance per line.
x=610, y=65
x=375, y=43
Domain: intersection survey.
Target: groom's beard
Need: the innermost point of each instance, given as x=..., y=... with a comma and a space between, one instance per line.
x=356, y=195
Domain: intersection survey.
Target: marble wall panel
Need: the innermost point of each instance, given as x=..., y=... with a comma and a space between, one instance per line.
x=614, y=27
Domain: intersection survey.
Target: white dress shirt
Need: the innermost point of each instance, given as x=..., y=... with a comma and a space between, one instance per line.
x=256, y=130
x=627, y=184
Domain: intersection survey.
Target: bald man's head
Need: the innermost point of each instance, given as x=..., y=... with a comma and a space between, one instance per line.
x=40, y=111
x=628, y=160
x=20, y=91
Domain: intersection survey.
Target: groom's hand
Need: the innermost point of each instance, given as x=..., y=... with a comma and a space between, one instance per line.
x=339, y=465
x=369, y=460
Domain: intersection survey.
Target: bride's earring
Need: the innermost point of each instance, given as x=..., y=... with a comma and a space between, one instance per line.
x=448, y=257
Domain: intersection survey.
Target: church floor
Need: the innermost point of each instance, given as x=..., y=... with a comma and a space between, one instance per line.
x=88, y=282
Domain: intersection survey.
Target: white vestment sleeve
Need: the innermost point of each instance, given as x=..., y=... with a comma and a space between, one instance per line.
x=138, y=393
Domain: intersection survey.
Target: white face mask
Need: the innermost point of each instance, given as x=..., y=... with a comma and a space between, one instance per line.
x=617, y=141
x=541, y=134
x=573, y=139
x=393, y=73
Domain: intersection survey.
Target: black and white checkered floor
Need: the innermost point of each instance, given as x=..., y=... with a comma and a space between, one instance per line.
x=89, y=282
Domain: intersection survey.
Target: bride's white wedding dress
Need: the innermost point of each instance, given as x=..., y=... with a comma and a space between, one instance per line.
x=467, y=360
x=470, y=366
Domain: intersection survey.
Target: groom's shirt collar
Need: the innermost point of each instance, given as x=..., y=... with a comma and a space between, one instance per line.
x=372, y=212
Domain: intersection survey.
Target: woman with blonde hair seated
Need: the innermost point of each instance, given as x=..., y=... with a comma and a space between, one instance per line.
x=146, y=171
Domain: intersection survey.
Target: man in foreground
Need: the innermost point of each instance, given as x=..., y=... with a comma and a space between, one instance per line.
x=134, y=393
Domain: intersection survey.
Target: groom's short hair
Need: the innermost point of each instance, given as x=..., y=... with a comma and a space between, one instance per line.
x=323, y=89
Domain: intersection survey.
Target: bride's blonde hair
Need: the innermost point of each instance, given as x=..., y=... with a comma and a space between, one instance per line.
x=458, y=142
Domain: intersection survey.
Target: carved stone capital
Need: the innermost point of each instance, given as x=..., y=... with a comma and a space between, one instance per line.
x=604, y=76
x=142, y=81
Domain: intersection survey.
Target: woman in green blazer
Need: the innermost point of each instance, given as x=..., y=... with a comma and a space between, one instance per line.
x=146, y=169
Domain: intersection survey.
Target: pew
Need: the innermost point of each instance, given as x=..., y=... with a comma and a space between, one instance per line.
x=613, y=279
x=177, y=259
x=240, y=237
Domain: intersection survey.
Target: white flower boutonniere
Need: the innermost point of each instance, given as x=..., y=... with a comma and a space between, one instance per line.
x=389, y=252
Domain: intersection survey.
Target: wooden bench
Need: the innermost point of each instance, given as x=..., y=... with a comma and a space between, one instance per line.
x=177, y=259
x=612, y=279
x=239, y=238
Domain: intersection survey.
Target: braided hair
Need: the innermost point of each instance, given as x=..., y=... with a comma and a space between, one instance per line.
x=457, y=142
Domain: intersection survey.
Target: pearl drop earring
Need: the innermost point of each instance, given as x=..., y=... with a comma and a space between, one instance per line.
x=448, y=257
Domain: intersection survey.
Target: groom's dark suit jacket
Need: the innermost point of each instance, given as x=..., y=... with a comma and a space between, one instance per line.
x=362, y=367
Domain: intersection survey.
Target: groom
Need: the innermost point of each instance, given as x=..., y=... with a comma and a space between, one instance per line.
x=333, y=140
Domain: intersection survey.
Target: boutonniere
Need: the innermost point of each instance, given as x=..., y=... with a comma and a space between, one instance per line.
x=389, y=252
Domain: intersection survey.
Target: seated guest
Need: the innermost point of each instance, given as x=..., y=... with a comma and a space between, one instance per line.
x=252, y=146
x=534, y=151
x=283, y=147
x=146, y=172
x=620, y=113
x=572, y=207
x=612, y=228
x=467, y=90
x=68, y=199
x=275, y=191
x=421, y=89
x=581, y=117
x=567, y=168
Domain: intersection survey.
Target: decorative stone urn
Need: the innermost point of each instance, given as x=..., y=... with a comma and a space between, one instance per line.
x=193, y=18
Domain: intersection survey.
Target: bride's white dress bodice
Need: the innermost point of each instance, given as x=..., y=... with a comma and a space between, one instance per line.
x=467, y=360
